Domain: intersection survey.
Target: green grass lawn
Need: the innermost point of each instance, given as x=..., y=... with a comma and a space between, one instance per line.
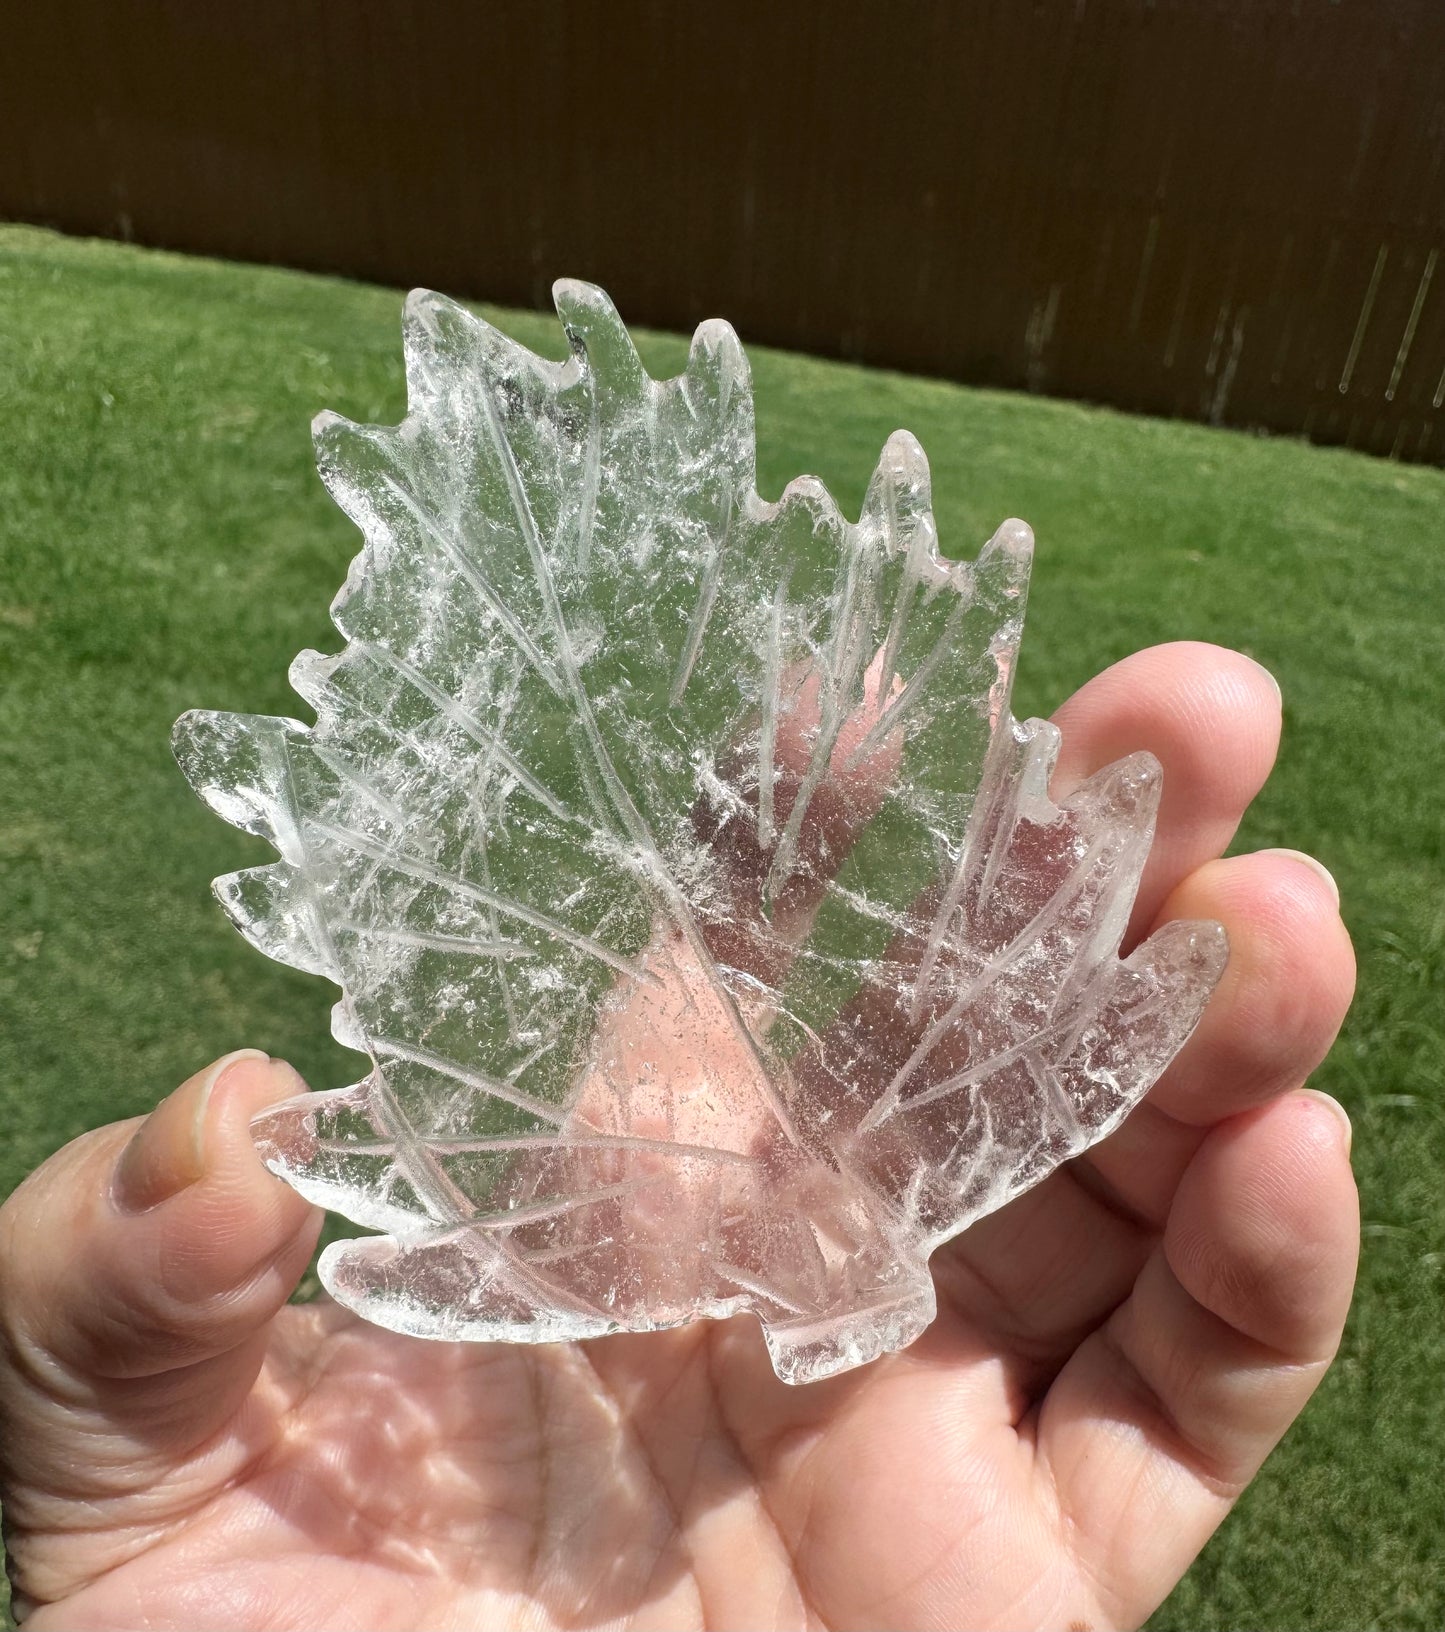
x=165, y=544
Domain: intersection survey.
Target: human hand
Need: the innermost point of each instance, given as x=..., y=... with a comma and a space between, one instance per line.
x=1115, y=1352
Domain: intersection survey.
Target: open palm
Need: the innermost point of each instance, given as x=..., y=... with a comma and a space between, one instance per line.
x=1115, y=1352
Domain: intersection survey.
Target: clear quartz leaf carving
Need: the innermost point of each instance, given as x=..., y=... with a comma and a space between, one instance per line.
x=700, y=905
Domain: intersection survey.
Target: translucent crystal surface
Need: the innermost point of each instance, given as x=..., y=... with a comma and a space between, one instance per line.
x=699, y=903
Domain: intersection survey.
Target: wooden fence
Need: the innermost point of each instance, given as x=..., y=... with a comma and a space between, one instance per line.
x=1230, y=210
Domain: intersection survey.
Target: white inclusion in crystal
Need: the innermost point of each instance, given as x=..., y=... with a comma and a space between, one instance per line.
x=697, y=899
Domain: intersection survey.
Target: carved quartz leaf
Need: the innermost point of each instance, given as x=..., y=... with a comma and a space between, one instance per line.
x=697, y=900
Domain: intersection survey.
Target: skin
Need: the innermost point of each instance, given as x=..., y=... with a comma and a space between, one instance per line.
x=1116, y=1352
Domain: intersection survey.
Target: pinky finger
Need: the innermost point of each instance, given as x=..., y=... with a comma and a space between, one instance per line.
x=1166, y=1412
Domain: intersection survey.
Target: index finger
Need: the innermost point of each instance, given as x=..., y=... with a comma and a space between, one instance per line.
x=1210, y=716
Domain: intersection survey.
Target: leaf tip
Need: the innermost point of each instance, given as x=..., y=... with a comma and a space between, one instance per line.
x=183, y=731
x=903, y=452
x=717, y=341
x=899, y=499
x=597, y=335
x=1128, y=790
x=328, y=431
x=1015, y=539
x=1192, y=952
x=425, y=312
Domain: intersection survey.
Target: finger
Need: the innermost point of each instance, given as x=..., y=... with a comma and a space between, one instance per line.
x=1163, y=1415
x=1128, y=736
x=1044, y=1271
x=1210, y=716
x=139, y=1268
x=1275, y=1013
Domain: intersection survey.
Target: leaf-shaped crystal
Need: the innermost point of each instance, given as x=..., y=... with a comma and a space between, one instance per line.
x=700, y=905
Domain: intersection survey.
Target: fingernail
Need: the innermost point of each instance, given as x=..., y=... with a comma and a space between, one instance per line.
x=168, y=1151
x=1268, y=676
x=1318, y=868
x=1342, y=1116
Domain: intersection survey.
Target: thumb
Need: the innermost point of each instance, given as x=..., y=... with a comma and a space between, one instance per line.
x=140, y=1268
